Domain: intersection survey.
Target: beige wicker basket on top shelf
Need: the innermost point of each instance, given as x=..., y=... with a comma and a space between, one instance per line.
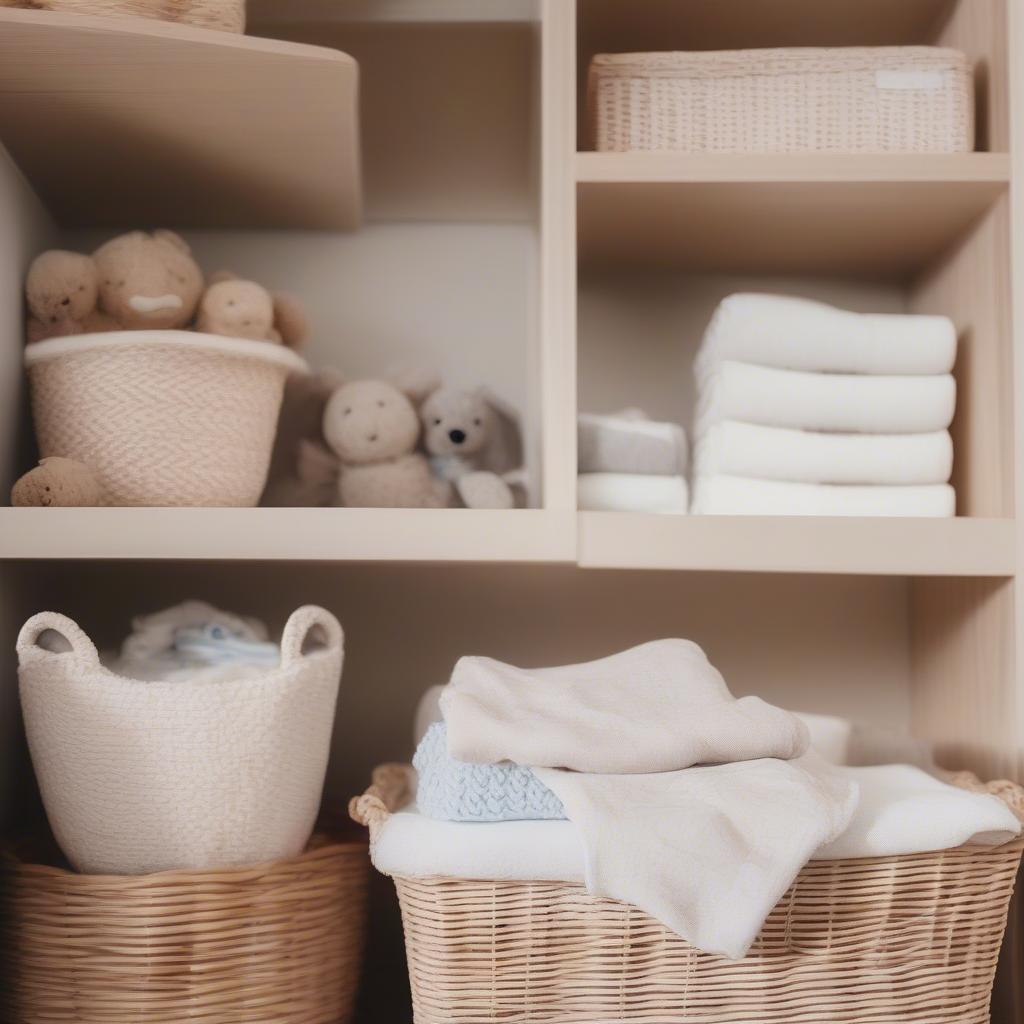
x=912, y=939
x=900, y=99
x=226, y=15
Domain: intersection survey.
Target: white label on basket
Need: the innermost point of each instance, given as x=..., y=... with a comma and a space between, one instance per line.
x=910, y=79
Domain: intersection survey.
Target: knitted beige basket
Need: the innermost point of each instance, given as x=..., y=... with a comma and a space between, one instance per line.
x=253, y=945
x=227, y=15
x=898, y=99
x=162, y=417
x=912, y=939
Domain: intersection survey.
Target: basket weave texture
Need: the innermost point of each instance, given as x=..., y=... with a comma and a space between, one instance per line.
x=162, y=417
x=912, y=939
x=226, y=15
x=905, y=99
x=260, y=945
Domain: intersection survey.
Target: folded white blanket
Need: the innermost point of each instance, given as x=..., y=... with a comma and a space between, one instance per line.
x=658, y=707
x=902, y=810
x=632, y=492
x=686, y=799
x=775, y=453
x=799, y=334
x=629, y=442
x=741, y=496
x=825, y=401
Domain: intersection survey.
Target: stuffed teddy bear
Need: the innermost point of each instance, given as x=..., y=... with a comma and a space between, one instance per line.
x=458, y=430
x=58, y=482
x=236, y=308
x=373, y=429
x=148, y=280
x=62, y=289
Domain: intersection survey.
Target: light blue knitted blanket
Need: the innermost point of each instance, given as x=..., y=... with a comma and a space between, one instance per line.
x=456, y=791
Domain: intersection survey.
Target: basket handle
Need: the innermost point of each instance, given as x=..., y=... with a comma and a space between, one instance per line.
x=78, y=644
x=305, y=623
x=391, y=789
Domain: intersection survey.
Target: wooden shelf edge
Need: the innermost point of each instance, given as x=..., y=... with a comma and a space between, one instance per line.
x=289, y=534
x=780, y=544
x=820, y=168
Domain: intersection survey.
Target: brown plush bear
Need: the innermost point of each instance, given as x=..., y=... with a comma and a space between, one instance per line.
x=236, y=308
x=58, y=482
x=62, y=290
x=148, y=280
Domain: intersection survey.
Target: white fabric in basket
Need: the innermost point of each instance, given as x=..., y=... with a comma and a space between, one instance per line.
x=147, y=776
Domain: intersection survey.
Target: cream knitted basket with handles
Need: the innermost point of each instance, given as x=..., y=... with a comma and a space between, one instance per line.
x=162, y=417
x=152, y=776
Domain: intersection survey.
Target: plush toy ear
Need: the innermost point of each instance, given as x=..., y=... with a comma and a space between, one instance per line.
x=417, y=383
x=290, y=320
x=164, y=235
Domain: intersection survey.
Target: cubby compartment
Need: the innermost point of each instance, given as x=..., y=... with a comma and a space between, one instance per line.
x=976, y=27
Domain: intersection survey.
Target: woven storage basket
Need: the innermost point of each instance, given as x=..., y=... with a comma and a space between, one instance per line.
x=227, y=15
x=162, y=417
x=150, y=776
x=255, y=945
x=908, y=939
x=899, y=99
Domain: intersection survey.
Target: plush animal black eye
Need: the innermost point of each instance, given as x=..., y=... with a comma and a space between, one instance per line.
x=347, y=411
x=381, y=403
x=231, y=302
x=81, y=287
x=476, y=422
x=437, y=423
x=120, y=284
x=65, y=302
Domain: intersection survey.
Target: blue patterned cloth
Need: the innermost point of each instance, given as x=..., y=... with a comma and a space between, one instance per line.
x=456, y=791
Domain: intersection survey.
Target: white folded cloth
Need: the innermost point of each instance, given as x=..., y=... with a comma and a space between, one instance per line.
x=657, y=707
x=776, y=453
x=742, y=496
x=632, y=492
x=799, y=334
x=629, y=442
x=687, y=801
x=902, y=810
x=825, y=401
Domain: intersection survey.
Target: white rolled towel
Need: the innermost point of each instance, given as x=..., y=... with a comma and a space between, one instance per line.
x=629, y=442
x=825, y=401
x=632, y=492
x=800, y=334
x=804, y=456
x=741, y=496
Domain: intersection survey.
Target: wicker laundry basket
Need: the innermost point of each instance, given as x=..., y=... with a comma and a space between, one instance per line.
x=140, y=777
x=911, y=939
x=162, y=417
x=898, y=99
x=227, y=15
x=255, y=945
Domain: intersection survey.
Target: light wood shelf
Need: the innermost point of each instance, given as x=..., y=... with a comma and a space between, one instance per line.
x=148, y=123
x=883, y=547
x=873, y=216
x=289, y=534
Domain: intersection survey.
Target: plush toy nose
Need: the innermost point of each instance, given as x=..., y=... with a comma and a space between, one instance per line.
x=457, y=436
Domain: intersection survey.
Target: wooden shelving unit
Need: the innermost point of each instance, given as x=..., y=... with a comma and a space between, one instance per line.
x=190, y=127
x=495, y=243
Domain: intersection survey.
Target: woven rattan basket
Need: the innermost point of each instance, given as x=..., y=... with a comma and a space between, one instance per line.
x=908, y=939
x=905, y=99
x=227, y=15
x=260, y=945
x=162, y=417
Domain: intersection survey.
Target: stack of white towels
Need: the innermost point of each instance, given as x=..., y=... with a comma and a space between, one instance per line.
x=630, y=463
x=804, y=409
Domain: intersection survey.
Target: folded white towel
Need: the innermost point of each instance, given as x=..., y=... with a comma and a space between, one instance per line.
x=799, y=334
x=629, y=442
x=825, y=401
x=706, y=850
x=658, y=707
x=775, y=453
x=632, y=492
x=902, y=810
x=742, y=496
